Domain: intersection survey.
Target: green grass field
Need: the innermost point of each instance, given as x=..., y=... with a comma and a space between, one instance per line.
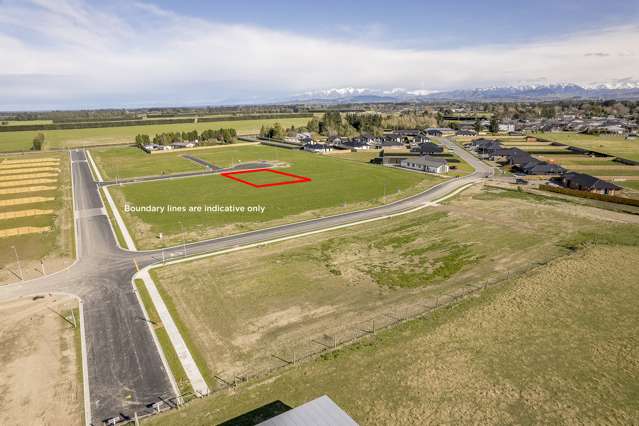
x=553, y=345
x=126, y=162
x=21, y=141
x=56, y=247
x=337, y=185
x=613, y=145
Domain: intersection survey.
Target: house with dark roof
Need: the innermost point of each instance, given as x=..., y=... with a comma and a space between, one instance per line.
x=537, y=167
x=466, y=132
x=427, y=148
x=584, y=182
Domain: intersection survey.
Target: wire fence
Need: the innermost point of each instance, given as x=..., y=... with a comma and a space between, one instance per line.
x=274, y=359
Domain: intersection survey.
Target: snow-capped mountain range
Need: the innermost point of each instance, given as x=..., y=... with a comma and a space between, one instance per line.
x=622, y=89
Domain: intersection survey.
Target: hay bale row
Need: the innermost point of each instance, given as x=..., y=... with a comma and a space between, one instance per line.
x=28, y=176
x=25, y=200
x=26, y=189
x=32, y=160
x=22, y=166
x=24, y=213
x=30, y=170
x=16, y=183
x=23, y=230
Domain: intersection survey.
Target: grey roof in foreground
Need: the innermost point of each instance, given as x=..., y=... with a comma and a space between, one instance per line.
x=318, y=412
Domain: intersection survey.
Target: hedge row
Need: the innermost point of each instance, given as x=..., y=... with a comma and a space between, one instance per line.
x=591, y=195
x=124, y=123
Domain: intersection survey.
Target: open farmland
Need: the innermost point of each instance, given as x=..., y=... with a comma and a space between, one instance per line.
x=36, y=217
x=22, y=140
x=336, y=185
x=40, y=367
x=313, y=286
x=614, y=145
x=544, y=348
x=545, y=342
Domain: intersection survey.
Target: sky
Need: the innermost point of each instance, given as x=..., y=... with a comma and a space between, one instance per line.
x=72, y=54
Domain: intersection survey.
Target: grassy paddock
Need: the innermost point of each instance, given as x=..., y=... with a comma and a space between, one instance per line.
x=22, y=140
x=613, y=145
x=336, y=185
x=545, y=347
x=313, y=287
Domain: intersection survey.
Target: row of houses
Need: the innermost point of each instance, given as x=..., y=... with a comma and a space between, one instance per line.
x=175, y=145
x=525, y=163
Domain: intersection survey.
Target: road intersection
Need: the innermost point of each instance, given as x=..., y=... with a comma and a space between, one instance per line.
x=125, y=371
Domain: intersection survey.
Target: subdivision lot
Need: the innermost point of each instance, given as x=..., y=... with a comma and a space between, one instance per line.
x=40, y=363
x=336, y=185
x=245, y=312
x=36, y=218
x=558, y=346
x=22, y=140
x=608, y=144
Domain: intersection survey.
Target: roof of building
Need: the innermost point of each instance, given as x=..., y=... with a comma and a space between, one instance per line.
x=590, y=182
x=427, y=160
x=427, y=147
x=318, y=412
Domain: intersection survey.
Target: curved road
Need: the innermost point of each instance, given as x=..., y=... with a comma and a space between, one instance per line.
x=125, y=370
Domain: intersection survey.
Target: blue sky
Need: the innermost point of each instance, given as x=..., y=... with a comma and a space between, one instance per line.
x=436, y=24
x=87, y=53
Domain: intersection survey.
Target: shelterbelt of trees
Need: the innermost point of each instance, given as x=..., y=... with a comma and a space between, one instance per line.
x=334, y=123
x=207, y=137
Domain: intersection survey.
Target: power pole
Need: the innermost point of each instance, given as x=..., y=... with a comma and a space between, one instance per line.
x=18, y=261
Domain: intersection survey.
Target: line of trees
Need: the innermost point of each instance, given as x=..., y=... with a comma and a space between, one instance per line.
x=207, y=137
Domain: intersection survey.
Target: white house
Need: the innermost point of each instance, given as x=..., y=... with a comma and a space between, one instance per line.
x=317, y=147
x=426, y=164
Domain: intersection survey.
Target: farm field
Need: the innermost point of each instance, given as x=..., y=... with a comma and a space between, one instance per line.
x=22, y=140
x=613, y=145
x=542, y=346
x=36, y=215
x=40, y=368
x=336, y=186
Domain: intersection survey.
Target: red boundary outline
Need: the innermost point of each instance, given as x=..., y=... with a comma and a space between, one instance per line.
x=298, y=179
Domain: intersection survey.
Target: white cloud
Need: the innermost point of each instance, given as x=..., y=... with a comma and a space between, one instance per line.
x=68, y=53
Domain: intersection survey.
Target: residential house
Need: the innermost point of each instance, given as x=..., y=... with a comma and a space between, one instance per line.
x=426, y=164
x=317, y=147
x=537, y=167
x=428, y=148
x=584, y=182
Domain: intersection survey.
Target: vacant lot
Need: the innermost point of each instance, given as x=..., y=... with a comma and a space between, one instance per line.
x=248, y=311
x=126, y=162
x=40, y=373
x=556, y=346
x=21, y=141
x=337, y=185
x=36, y=218
x=613, y=145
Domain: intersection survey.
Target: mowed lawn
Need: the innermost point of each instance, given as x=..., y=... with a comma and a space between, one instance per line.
x=127, y=162
x=22, y=140
x=556, y=345
x=609, y=144
x=336, y=185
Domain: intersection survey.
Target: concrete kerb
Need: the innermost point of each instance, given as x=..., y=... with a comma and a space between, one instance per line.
x=179, y=345
x=130, y=244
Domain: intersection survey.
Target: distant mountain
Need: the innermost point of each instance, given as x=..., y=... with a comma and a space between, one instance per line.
x=624, y=89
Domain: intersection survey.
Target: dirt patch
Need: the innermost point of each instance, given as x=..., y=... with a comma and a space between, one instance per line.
x=39, y=380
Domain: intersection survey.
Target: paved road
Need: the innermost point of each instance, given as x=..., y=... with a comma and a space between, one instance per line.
x=125, y=370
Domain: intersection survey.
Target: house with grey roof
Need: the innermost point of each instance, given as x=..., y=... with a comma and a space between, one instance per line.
x=426, y=164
